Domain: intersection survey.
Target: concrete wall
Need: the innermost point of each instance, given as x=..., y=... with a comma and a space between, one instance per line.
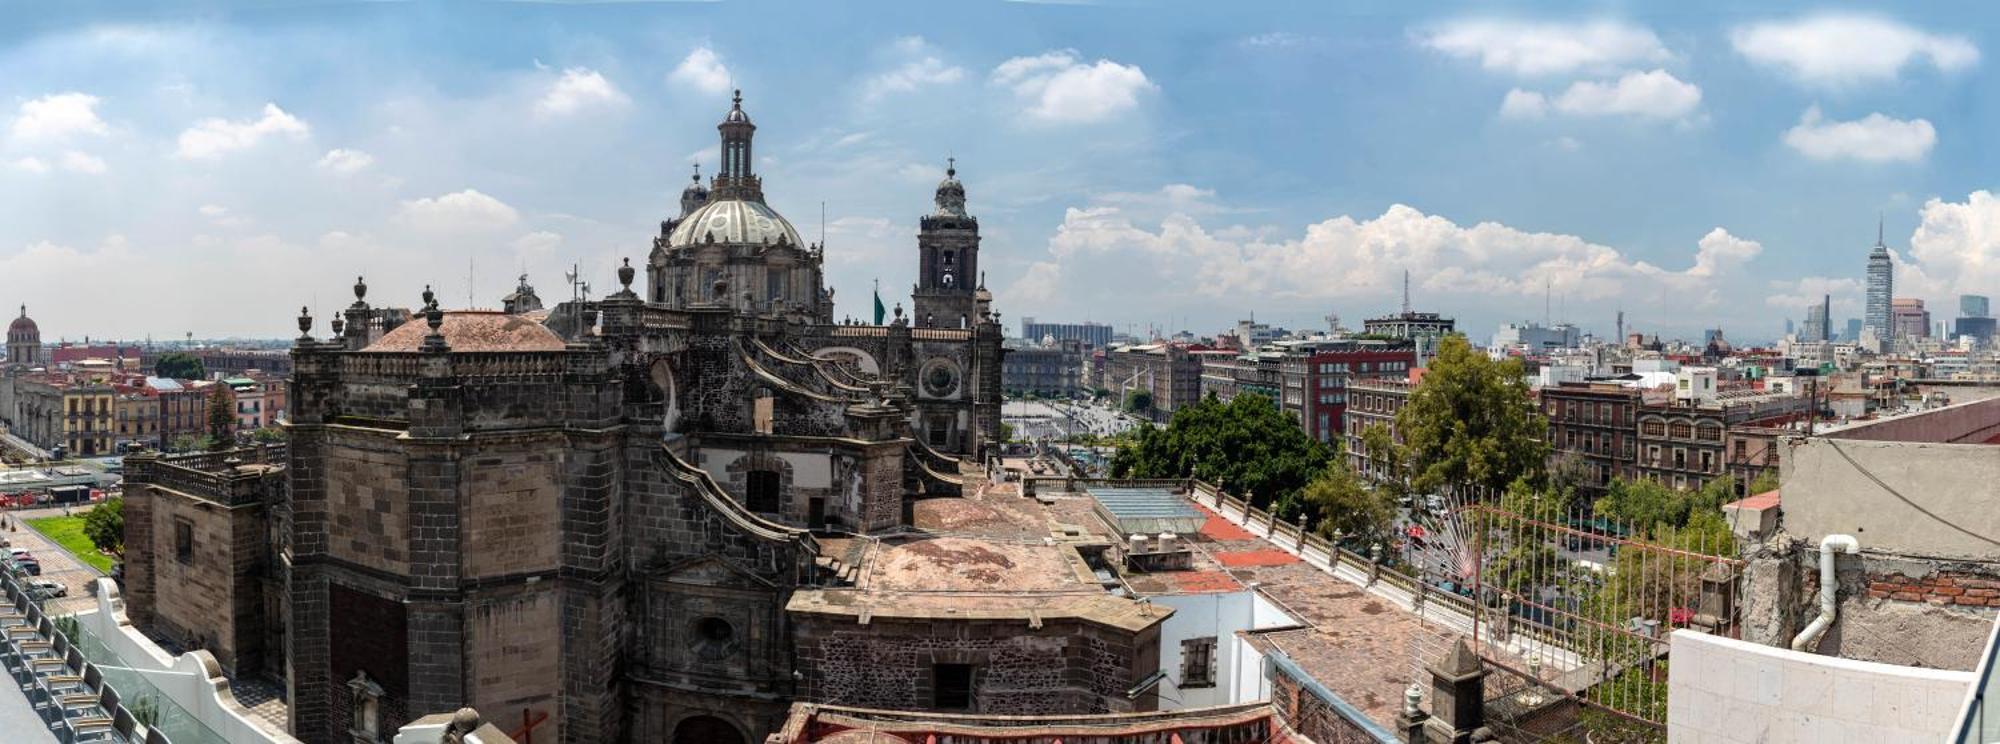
x=1238, y=668
x=192, y=680
x=1941, y=505
x=1724, y=691
x=1966, y=423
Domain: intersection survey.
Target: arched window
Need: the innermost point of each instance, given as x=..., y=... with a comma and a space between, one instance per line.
x=706, y=730
x=760, y=491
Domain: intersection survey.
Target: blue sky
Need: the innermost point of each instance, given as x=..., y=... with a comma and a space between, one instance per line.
x=1177, y=164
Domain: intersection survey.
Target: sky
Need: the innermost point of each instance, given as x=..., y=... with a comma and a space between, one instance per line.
x=1174, y=165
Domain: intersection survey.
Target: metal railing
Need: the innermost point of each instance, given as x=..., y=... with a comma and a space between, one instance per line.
x=67, y=690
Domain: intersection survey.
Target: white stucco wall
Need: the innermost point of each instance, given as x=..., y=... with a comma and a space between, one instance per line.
x=1239, y=670
x=1724, y=691
x=191, y=680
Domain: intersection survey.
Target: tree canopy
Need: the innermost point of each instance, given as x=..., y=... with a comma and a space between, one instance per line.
x=1341, y=503
x=104, y=524
x=1471, y=422
x=180, y=365
x=1653, y=507
x=1138, y=401
x=1247, y=446
x=221, y=417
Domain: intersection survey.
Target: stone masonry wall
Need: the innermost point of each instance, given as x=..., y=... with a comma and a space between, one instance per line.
x=206, y=592
x=510, y=519
x=513, y=646
x=1066, y=667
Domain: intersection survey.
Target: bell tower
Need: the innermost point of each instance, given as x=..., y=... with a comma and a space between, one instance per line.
x=947, y=259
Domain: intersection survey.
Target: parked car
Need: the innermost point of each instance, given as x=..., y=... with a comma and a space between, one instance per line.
x=46, y=588
x=30, y=565
x=19, y=553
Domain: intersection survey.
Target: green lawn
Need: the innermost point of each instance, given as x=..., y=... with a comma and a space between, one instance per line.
x=68, y=531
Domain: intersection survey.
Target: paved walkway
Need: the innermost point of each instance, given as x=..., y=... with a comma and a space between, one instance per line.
x=19, y=720
x=57, y=562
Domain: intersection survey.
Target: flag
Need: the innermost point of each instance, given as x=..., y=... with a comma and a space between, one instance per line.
x=879, y=310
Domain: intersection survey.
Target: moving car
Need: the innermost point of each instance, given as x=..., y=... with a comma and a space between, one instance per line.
x=47, y=588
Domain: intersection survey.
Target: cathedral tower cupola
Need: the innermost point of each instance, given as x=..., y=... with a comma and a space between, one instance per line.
x=736, y=179
x=950, y=193
x=695, y=195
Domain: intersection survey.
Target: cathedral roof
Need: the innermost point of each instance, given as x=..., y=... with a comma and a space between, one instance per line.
x=736, y=222
x=473, y=330
x=23, y=328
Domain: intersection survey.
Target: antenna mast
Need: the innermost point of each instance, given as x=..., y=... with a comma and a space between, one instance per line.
x=1406, y=291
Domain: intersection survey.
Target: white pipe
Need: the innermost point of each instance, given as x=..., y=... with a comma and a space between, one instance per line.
x=1829, y=588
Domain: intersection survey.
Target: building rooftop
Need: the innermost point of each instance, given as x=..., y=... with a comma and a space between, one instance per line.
x=473, y=330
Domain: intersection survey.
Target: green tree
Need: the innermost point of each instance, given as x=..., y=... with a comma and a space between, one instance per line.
x=180, y=365
x=1764, y=483
x=104, y=524
x=1006, y=432
x=1138, y=401
x=1650, y=506
x=1247, y=446
x=185, y=443
x=1341, y=503
x=270, y=434
x=221, y=417
x=1471, y=423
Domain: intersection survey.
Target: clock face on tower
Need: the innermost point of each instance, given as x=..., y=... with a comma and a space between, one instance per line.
x=946, y=279
x=940, y=379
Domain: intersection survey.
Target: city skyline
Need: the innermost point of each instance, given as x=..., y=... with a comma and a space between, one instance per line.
x=1108, y=170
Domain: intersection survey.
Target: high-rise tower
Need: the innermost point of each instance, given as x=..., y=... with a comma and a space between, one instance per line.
x=947, y=259
x=1881, y=288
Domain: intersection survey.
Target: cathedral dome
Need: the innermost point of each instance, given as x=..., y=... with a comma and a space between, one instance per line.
x=23, y=329
x=734, y=222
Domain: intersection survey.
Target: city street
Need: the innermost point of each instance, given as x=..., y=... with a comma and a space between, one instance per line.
x=57, y=563
x=1035, y=419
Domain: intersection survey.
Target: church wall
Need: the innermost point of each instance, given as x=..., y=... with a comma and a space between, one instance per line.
x=513, y=648
x=1065, y=667
x=367, y=516
x=510, y=519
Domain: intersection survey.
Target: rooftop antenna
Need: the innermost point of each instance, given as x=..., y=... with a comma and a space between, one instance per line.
x=1878, y=228
x=822, y=224
x=470, y=272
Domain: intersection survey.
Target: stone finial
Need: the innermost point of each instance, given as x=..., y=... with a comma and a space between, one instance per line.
x=1461, y=660
x=625, y=274
x=899, y=312
x=338, y=325
x=430, y=298
x=305, y=323
x=463, y=723
x=1413, y=699
x=360, y=289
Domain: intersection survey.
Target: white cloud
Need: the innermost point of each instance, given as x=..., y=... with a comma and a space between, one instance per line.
x=702, y=70
x=214, y=137
x=1957, y=246
x=57, y=116
x=540, y=241
x=1651, y=95
x=1874, y=138
x=1057, y=87
x=923, y=68
x=344, y=161
x=1844, y=49
x=1790, y=296
x=466, y=210
x=579, y=89
x=1718, y=251
x=30, y=165
x=1524, y=104
x=1527, y=48
x=1179, y=259
x=83, y=162
x=220, y=216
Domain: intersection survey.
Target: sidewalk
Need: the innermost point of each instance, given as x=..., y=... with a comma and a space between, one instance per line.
x=57, y=562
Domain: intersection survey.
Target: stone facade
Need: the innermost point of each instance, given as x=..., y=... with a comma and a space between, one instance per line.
x=199, y=542
x=594, y=515
x=1065, y=666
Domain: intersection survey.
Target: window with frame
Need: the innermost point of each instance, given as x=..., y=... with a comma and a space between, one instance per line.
x=953, y=686
x=1198, y=662
x=183, y=541
x=760, y=491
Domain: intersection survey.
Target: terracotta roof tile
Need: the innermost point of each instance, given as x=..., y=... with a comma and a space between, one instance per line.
x=473, y=330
